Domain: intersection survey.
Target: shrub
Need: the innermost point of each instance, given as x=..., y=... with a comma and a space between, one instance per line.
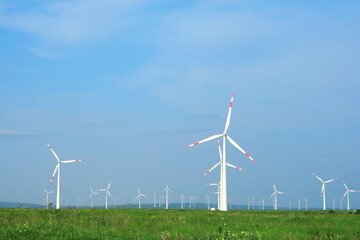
x=331, y=212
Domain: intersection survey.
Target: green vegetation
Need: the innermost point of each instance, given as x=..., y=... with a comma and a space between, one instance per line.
x=176, y=224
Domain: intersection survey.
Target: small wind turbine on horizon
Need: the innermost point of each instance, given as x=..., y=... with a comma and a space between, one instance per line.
x=47, y=198
x=347, y=193
x=223, y=190
x=139, y=197
x=275, y=194
x=218, y=192
x=323, y=188
x=167, y=196
x=57, y=168
x=106, y=190
x=91, y=196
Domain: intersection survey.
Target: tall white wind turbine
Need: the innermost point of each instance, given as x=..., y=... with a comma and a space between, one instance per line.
x=47, y=198
x=347, y=193
x=106, y=190
x=223, y=194
x=323, y=188
x=275, y=194
x=167, y=195
x=57, y=168
x=91, y=196
x=139, y=197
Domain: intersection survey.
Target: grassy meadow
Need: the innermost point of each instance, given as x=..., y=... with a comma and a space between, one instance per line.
x=176, y=224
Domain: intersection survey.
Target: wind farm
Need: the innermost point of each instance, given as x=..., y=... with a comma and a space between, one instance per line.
x=170, y=120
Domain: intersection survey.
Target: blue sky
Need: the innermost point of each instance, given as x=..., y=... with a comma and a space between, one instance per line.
x=127, y=85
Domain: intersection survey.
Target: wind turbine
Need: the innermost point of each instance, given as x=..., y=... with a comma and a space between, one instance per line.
x=92, y=197
x=167, y=195
x=182, y=201
x=57, y=168
x=305, y=204
x=139, y=197
x=218, y=192
x=323, y=189
x=47, y=198
x=154, y=199
x=347, y=193
x=223, y=194
x=275, y=194
x=106, y=190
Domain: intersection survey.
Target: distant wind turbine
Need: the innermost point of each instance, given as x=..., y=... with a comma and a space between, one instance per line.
x=347, y=193
x=275, y=194
x=323, y=188
x=167, y=195
x=139, y=197
x=47, y=198
x=223, y=191
x=91, y=196
x=106, y=190
x=57, y=168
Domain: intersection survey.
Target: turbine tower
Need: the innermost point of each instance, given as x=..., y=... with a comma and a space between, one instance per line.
x=182, y=201
x=57, y=168
x=323, y=188
x=106, y=190
x=154, y=199
x=92, y=197
x=347, y=193
x=167, y=195
x=223, y=191
x=139, y=197
x=47, y=198
x=275, y=194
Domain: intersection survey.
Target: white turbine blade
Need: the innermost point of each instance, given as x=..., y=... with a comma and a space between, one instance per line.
x=163, y=190
x=344, y=195
x=109, y=184
x=228, y=164
x=211, y=169
x=229, y=114
x=90, y=195
x=101, y=190
x=318, y=177
x=220, y=154
x=53, y=152
x=211, y=184
x=205, y=140
x=345, y=185
x=354, y=191
x=45, y=191
x=238, y=147
x=70, y=161
x=137, y=197
x=110, y=195
x=281, y=192
x=143, y=195
x=91, y=190
x=51, y=192
x=56, y=168
x=272, y=195
x=274, y=186
x=138, y=190
x=330, y=180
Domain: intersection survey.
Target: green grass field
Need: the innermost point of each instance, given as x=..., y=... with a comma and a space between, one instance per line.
x=176, y=224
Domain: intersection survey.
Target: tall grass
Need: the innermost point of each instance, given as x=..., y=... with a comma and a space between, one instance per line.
x=176, y=224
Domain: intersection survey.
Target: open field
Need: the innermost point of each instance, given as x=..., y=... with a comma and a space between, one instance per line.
x=176, y=224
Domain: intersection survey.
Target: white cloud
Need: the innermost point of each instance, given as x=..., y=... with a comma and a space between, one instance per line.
x=8, y=132
x=72, y=22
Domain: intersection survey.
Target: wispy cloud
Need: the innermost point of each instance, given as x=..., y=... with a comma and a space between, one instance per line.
x=71, y=22
x=8, y=132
